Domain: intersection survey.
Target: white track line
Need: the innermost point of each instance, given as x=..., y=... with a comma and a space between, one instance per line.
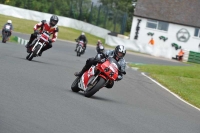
x=170, y=92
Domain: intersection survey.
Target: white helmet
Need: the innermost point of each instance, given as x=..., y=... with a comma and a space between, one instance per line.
x=9, y=21
x=82, y=33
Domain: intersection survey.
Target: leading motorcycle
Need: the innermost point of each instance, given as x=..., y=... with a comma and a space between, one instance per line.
x=96, y=77
x=80, y=48
x=41, y=41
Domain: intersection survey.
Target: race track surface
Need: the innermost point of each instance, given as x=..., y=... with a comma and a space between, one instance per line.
x=35, y=97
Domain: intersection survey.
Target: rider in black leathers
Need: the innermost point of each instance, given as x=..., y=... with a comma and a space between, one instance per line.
x=99, y=47
x=84, y=39
x=8, y=27
x=118, y=54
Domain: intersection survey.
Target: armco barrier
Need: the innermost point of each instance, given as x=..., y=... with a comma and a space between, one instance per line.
x=194, y=57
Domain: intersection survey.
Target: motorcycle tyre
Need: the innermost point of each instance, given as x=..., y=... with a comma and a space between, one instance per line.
x=28, y=56
x=4, y=38
x=74, y=85
x=97, y=87
x=33, y=54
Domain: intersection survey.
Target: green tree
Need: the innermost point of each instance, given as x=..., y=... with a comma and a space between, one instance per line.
x=122, y=5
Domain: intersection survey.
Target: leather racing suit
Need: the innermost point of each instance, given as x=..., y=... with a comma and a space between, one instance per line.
x=44, y=26
x=101, y=58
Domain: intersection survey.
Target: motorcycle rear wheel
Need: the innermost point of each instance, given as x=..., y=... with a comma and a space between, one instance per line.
x=91, y=91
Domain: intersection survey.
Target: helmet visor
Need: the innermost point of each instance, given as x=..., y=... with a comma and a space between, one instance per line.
x=53, y=22
x=120, y=54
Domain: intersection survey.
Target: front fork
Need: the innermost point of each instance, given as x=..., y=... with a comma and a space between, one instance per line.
x=97, y=75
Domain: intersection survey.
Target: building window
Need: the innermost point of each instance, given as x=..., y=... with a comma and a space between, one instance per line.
x=196, y=32
x=159, y=25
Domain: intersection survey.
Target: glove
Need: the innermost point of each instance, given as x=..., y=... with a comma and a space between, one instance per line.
x=50, y=40
x=102, y=60
x=36, y=32
x=119, y=78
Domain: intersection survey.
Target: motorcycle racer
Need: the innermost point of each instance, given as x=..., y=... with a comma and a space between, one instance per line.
x=8, y=27
x=84, y=39
x=99, y=47
x=118, y=54
x=51, y=27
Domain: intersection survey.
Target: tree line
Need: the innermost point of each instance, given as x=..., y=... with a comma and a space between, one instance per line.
x=114, y=15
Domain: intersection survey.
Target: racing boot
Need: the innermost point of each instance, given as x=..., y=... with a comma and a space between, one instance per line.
x=79, y=74
x=41, y=51
x=27, y=45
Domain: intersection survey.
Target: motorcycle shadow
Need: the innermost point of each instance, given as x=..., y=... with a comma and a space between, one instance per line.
x=94, y=97
x=34, y=61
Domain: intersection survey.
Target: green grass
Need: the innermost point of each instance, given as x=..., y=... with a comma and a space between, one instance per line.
x=12, y=39
x=182, y=80
x=65, y=33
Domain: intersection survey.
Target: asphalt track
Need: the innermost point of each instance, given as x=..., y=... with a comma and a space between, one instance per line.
x=35, y=97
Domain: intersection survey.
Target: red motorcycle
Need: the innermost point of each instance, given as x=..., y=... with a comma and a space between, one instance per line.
x=41, y=41
x=96, y=77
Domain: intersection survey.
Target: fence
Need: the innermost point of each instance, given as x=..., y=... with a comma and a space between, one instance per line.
x=106, y=17
x=99, y=15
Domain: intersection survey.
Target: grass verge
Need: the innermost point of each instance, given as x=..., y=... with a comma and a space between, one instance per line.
x=182, y=80
x=65, y=33
x=12, y=39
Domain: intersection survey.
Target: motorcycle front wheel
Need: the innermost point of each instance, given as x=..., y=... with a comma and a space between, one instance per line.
x=91, y=91
x=74, y=85
x=4, y=38
x=78, y=51
x=34, y=53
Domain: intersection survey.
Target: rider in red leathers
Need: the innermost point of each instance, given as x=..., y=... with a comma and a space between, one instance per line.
x=50, y=27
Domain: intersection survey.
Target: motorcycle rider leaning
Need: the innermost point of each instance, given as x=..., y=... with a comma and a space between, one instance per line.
x=99, y=47
x=118, y=54
x=8, y=27
x=84, y=39
x=51, y=27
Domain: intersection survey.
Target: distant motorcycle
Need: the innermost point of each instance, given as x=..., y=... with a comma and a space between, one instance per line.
x=6, y=33
x=80, y=48
x=41, y=41
x=96, y=77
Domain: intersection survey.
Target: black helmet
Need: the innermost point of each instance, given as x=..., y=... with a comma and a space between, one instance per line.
x=120, y=51
x=53, y=20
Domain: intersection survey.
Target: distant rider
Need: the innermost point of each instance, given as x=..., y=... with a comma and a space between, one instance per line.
x=118, y=54
x=51, y=27
x=8, y=27
x=99, y=47
x=83, y=38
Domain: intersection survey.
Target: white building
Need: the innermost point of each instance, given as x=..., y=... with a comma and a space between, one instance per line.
x=172, y=22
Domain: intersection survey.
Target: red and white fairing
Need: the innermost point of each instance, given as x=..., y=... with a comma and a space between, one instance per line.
x=86, y=77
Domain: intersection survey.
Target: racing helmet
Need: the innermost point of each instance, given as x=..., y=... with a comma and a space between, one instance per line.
x=120, y=51
x=53, y=20
x=9, y=22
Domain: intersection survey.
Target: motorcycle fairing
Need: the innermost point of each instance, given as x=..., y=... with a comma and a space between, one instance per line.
x=86, y=78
